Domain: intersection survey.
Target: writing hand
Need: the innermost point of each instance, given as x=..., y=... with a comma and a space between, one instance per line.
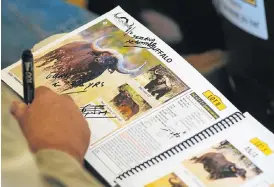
x=53, y=121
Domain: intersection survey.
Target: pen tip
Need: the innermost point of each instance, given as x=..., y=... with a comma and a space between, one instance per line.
x=27, y=54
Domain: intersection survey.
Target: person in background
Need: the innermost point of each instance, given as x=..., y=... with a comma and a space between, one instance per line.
x=250, y=61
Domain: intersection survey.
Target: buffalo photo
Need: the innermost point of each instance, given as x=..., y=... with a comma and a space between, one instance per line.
x=222, y=165
x=161, y=83
x=93, y=56
x=129, y=103
x=170, y=180
x=79, y=62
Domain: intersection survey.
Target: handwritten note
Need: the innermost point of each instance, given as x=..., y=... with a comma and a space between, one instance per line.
x=54, y=76
x=59, y=76
x=95, y=85
x=148, y=43
x=95, y=111
x=56, y=84
x=172, y=133
x=68, y=93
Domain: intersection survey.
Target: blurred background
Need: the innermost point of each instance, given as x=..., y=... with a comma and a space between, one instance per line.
x=239, y=64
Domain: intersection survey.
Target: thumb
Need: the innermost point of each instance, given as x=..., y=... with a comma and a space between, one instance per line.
x=18, y=109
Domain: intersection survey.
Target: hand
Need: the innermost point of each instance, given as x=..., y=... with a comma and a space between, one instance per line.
x=53, y=121
x=207, y=61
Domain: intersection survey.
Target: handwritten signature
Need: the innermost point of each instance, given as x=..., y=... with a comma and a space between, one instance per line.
x=95, y=111
x=173, y=133
x=95, y=84
x=147, y=43
x=54, y=76
x=56, y=84
x=68, y=93
x=90, y=85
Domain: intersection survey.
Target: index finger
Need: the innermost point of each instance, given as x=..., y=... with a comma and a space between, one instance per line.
x=44, y=91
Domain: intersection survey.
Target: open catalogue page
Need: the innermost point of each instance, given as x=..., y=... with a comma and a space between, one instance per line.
x=241, y=156
x=138, y=95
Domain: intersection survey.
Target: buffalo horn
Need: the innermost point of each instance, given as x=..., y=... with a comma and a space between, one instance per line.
x=120, y=67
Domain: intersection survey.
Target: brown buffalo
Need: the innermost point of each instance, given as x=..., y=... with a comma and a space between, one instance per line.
x=125, y=104
x=78, y=62
x=219, y=167
x=161, y=85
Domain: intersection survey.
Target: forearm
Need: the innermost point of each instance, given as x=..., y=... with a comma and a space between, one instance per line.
x=18, y=165
x=22, y=168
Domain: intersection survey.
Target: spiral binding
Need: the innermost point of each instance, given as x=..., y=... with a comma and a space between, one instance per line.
x=197, y=138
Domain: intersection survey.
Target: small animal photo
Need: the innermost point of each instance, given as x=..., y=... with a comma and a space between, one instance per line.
x=222, y=165
x=128, y=102
x=161, y=83
x=170, y=180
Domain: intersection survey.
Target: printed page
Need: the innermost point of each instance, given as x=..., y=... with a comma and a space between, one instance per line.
x=241, y=156
x=129, y=85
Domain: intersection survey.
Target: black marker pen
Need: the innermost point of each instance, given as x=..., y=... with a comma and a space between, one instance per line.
x=28, y=76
